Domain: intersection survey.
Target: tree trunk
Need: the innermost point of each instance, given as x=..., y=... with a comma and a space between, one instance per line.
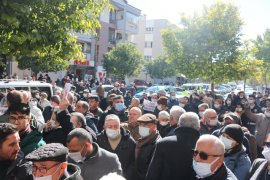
x=245, y=84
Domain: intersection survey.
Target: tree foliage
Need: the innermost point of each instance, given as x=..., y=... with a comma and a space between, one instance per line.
x=123, y=60
x=207, y=45
x=159, y=68
x=41, y=30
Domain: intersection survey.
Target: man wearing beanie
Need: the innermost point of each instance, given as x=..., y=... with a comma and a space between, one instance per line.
x=236, y=158
x=50, y=161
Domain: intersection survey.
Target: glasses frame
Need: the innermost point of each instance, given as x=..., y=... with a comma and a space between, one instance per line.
x=203, y=155
x=43, y=170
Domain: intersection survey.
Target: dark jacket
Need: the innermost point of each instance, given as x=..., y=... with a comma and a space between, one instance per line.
x=170, y=130
x=223, y=173
x=125, y=149
x=163, y=130
x=31, y=141
x=258, y=170
x=98, y=164
x=91, y=121
x=64, y=119
x=121, y=114
x=143, y=156
x=172, y=159
x=16, y=170
x=56, y=135
x=208, y=129
x=74, y=173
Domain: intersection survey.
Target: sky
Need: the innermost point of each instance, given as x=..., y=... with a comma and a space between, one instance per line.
x=256, y=13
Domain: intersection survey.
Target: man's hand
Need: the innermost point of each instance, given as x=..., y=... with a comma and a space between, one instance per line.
x=64, y=104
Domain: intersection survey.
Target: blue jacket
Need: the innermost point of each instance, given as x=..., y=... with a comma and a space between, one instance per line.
x=239, y=163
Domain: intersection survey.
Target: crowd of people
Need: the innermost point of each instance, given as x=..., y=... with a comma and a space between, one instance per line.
x=79, y=135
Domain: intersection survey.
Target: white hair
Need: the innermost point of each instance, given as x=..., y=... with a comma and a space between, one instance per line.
x=176, y=112
x=207, y=111
x=112, y=117
x=113, y=176
x=164, y=114
x=136, y=109
x=189, y=119
x=217, y=144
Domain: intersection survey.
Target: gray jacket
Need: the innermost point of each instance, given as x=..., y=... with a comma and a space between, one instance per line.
x=98, y=164
x=262, y=125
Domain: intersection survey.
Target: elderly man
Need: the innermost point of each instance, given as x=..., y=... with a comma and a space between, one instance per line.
x=132, y=126
x=163, y=123
x=135, y=102
x=202, y=107
x=210, y=122
x=175, y=114
x=145, y=145
x=172, y=157
x=94, y=161
x=119, y=141
x=11, y=157
x=115, y=90
x=208, y=160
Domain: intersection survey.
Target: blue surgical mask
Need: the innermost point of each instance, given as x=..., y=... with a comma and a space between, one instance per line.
x=120, y=106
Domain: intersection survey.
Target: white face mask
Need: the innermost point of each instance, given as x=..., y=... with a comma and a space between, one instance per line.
x=85, y=95
x=159, y=107
x=238, y=109
x=217, y=106
x=173, y=97
x=267, y=113
x=266, y=153
x=112, y=134
x=201, y=114
x=203, y=169
x=52, y=124
x=227, y=142
x=76, y=156
x=181, y=105
x=115, y=88
x=163, y=123
x=213, y=122
x=144, y=131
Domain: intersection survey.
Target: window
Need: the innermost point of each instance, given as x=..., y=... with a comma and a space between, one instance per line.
x=88, y=48
x=148, y=44
x=111, y=36
x=148, y=58
x=149, y=30
x=112, y=17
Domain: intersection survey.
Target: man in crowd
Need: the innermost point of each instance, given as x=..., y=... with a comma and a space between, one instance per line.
x=210, y=122
x=202, y=107
x=175, y=114
x=119, y=141
x=172, y=101
x=115, y=90
x=94, y=108
x=145, y=145
x=11, y=157
x=209, y=152
x=172, y=157
x=132, y=125
x=30, y=138
x=118, y=108
x=83, y=107
x=94, y=161
x=50, y=162
x=184, y=103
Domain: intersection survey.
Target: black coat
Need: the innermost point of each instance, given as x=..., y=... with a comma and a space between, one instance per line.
x=258, y=170
x=125, y=149
x=55, y=136
x=172, y=158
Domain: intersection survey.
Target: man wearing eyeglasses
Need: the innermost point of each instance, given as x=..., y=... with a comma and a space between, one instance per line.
x=208, y=160
x=31, y=138
x=50, y=162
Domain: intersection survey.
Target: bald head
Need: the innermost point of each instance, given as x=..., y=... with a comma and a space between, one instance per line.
x=210, y=115
x=213, y=143
x=134, y=114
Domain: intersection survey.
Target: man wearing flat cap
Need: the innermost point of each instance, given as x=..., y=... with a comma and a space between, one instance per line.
x=50, y=161
x=145, y=145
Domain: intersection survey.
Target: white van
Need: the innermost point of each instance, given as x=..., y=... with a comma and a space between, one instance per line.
x=197, y=86
x=30, y=86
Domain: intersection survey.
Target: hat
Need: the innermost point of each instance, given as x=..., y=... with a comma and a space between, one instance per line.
x=86, y=91
x=232, y=116
x=163, y=100
x=49, y=152
x=162, y=92
x=251, y=95
x=147, y=118
x=235, y=132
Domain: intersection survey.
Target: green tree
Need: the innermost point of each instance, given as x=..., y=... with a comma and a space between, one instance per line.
x=42, y=30
x=159, y=68
x=262, y=45
x=123, y=60
x=207, y=45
